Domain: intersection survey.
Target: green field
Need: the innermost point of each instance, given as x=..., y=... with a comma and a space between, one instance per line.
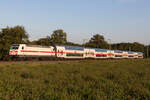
x=76, y=80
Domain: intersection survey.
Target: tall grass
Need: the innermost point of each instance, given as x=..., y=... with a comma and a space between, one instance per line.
x=79, y=80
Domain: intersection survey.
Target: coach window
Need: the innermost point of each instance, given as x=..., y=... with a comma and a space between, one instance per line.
x=22, y=48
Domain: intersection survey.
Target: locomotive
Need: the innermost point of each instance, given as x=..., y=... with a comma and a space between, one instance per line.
x=68, y=52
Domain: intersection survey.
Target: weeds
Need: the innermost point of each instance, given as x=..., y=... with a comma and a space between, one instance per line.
x=83, y=80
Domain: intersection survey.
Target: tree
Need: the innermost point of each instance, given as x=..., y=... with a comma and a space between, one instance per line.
x=42, y=41
x=9, y=36
x=59, y=37
x=137, y=47
x=129, y=46
x=147, y=51
x=97, y=41
x=72, y=44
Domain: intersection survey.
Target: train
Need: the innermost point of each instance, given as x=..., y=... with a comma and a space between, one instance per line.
x=69, y=52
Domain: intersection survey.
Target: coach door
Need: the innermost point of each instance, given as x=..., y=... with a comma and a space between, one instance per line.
x=110, y=54
x=60, y=52
x=22, y=49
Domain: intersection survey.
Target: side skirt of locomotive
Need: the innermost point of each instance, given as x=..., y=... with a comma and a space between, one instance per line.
x=27, y=58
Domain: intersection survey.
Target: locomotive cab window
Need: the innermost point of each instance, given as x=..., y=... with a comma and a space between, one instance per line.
x=14, y=47
x=22, y=48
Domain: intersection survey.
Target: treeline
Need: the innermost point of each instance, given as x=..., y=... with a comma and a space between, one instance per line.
x=18, y=35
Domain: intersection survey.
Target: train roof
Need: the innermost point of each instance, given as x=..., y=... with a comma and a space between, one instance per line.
x=118, y=51
x=31, y=45
x=38, y=46
x=101, y=50
x=140, y=52
x=74, y=48
x=71, y=47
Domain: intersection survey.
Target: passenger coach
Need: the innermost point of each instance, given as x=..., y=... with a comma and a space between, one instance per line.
x=70, y=52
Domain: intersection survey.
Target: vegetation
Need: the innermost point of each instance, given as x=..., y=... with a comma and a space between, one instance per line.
x=42, y=41
x=76, y=80
x=129, y=46
x=59, y=37
x=97, y=41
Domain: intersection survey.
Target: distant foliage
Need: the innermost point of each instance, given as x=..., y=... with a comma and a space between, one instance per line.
x=97, y=41
x=59, y=37
x=42, y=41
x=129, y=47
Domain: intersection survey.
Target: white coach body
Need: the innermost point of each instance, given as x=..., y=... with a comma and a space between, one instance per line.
x=89, y=53
x=70, y=52
x=118, y=53
x=101, y=53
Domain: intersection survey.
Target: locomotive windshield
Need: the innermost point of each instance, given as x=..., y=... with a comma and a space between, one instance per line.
x=15, y=47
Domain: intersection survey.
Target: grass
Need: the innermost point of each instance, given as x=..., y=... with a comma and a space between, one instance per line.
x=76, y=80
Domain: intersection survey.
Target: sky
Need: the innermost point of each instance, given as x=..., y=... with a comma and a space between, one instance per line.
x=117, y=20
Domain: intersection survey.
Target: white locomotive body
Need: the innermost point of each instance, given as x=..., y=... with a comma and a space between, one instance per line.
x=23, y=50
x=69, y=52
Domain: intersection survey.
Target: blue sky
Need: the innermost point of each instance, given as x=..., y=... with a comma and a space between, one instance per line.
x=118, y=20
